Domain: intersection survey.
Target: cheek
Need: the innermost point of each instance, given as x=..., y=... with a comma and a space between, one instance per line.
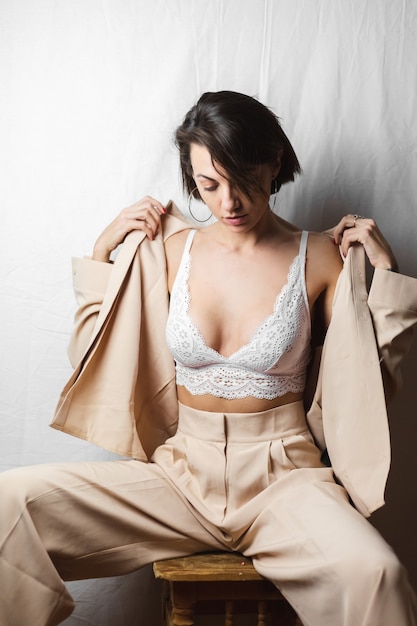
x=208, y=197
x=201, y=191
x=266, y=183
x=203, y=194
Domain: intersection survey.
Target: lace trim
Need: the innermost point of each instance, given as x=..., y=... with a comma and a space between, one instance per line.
x=250, y=370
x=229, y=384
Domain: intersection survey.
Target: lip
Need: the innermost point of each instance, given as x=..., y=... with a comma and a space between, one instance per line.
x=235, y=220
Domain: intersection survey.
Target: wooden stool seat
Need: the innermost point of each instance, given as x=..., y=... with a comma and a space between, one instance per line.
x=219, y=582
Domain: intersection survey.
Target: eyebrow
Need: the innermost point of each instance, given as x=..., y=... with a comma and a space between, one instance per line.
x=206, y=177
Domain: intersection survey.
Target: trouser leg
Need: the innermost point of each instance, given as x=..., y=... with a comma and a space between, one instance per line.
x=84, y=520
x=331, y=564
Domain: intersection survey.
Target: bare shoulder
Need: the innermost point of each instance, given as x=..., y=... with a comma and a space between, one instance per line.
x=323, y=257
x=323, y=267
x=175, y=243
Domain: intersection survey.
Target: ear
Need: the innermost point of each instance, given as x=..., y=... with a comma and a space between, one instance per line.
x=277, y=163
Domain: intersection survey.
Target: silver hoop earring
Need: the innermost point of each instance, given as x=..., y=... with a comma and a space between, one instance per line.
x=274, y=186
x=190, y=211
x=272, y=208
x=274, y=191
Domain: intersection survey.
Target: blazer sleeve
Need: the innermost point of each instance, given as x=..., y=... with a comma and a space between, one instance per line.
x=90, y=280
x=392, y=302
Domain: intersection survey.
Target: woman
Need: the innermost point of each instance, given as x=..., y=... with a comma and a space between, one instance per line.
x=213, y=414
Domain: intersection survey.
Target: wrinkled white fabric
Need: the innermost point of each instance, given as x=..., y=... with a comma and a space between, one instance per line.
x=90, y=95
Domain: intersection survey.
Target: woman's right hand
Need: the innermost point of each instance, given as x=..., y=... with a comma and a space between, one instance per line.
x=143, y=215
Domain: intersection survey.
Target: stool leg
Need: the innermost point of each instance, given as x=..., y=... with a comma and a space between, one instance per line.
x=182, y=604
x=182, y=616
x=230, y=610
x=262, y=613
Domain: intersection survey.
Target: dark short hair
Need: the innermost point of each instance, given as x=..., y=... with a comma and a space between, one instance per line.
x=239, y=132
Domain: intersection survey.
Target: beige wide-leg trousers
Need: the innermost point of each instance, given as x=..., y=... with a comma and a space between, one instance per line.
x=247, y=482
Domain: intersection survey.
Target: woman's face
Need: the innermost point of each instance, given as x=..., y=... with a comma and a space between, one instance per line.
x=228, y=204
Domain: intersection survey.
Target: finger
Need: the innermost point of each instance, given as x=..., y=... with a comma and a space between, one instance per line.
x=361, y=230
x=133, y=217
x=349, y=237
x=149, y=229
x=143, y=215
x=348, y=221
x=147, y=212
x=149, y=203
x=151, y=218
x=146, y=221
x=366, y=233
x=345, y=222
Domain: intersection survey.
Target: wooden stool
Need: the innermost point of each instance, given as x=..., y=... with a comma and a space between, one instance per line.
x=219, y=582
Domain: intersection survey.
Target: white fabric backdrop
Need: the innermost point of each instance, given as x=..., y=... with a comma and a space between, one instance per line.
x=90, y=93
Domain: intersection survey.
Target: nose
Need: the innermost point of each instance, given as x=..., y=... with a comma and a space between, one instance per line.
x=229, y=198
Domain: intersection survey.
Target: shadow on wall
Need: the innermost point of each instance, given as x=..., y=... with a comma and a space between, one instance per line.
x=134, y=598
x=397, y=520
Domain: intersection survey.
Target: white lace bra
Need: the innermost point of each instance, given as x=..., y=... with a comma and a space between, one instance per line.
x=273, y=363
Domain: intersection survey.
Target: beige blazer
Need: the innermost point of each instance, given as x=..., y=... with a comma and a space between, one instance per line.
x=122, y=394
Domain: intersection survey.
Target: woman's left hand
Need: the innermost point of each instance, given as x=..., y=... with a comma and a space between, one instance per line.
x=354, y=229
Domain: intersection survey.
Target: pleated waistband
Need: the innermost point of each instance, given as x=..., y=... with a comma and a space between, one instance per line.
x=276, y=423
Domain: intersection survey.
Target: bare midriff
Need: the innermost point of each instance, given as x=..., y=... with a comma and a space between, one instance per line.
x=208, y=402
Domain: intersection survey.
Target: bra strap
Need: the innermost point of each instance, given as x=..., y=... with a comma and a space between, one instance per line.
x=189, y=241
x=303, y=244
x=186, y=250
x=302, y=253
x=179, y=278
